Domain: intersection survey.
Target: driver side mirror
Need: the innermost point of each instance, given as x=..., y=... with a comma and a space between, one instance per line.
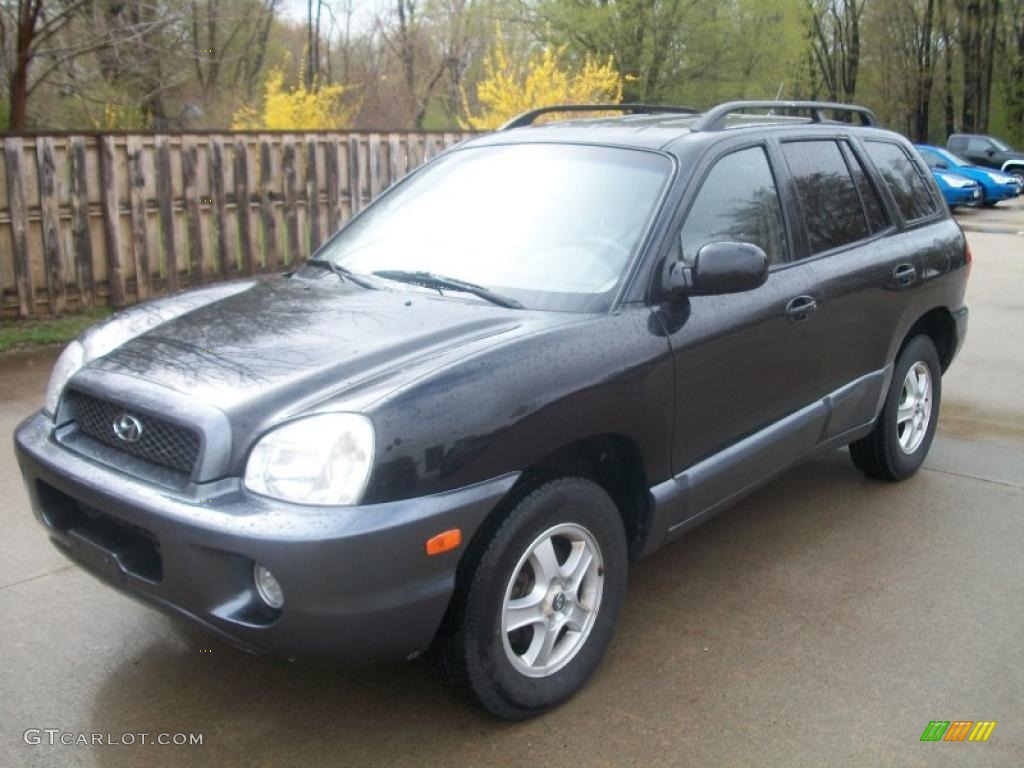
x=990, y=152
x=723, y=267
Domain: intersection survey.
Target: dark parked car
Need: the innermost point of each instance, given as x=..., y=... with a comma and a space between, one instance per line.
x=989, y=152
x=551, y=350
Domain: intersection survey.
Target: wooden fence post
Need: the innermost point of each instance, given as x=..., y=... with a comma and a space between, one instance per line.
x=80, y=237
x=19, y=226
x=220, y=206
x=137, y=201
x=331, y=183
x=111, y=220
x=49, y=214
x=193, y=224
x=355, y=183
x=165, y=201
x=291, y=215
x=242, y=204
x=271, y=249
x=312, y=195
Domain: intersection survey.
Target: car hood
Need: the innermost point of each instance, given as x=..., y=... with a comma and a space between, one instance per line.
x=291, y=343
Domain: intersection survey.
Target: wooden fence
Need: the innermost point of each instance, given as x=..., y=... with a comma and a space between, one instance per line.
x=116, y=218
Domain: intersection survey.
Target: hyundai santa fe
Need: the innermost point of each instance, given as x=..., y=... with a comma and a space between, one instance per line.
x=543, y=355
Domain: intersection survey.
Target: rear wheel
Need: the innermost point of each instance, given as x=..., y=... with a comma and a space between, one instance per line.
x=898, y=444
x=538, y=602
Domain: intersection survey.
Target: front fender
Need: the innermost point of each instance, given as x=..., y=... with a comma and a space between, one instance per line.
x=502, y=409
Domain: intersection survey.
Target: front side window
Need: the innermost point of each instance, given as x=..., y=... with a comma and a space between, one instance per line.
x=553, y=226
x=979, y=145
x=901, y=176
x=738, y=202
x=831, y=205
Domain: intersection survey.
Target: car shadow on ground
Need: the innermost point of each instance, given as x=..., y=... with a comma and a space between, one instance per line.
x=754, y=571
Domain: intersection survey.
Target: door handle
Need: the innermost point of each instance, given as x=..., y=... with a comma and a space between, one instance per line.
x=905, y=274
x=801, y=308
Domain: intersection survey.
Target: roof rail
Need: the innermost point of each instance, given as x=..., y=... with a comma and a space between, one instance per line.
x=714, y=118
x=527, y=118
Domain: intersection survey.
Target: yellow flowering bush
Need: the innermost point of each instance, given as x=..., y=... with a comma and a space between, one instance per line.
x=509, y=88
x=295, y=109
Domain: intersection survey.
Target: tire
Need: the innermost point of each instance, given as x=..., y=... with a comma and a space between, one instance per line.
x=895, y=449
x=475, y=654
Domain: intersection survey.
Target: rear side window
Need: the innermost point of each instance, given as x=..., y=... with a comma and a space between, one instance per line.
x=738, y=201
x=831, y=204
x=873, y=209
x=912, y=196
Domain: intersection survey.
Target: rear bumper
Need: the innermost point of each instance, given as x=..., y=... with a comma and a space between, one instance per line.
x=960, y=319
x=357, y=582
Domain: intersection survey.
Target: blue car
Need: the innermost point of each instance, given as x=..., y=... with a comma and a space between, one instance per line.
x=995, y=185
x=958, y=190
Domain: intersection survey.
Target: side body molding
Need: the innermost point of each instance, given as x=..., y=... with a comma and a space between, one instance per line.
x=702, y=490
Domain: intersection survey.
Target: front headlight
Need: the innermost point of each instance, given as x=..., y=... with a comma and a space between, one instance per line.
x=323, y=459
x=68, y=363
x=956, y=181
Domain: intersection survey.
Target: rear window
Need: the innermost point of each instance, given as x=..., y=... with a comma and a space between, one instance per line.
x=831, y=204
x=912, y=195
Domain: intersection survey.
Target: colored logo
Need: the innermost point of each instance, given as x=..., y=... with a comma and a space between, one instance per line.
x=128, y=428
x=958, y=730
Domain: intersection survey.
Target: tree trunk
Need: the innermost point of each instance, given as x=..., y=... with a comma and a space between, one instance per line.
x=28, y=15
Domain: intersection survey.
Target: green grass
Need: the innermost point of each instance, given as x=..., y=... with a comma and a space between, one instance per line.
x=18, y=334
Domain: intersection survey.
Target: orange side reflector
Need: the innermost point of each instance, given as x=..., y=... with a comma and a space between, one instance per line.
x=444, y=541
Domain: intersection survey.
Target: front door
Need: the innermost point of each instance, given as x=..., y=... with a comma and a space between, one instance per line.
x=746, y=364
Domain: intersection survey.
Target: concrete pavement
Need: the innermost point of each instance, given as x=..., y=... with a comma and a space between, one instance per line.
x=822, y=622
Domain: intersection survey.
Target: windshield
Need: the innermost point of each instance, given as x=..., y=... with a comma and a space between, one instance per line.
x=935, y=156
x=553, y=226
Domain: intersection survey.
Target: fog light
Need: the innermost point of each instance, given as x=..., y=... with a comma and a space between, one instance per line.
x=267, y=587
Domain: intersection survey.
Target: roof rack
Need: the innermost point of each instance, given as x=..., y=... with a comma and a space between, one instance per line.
x=714, y=118
x=527, y=118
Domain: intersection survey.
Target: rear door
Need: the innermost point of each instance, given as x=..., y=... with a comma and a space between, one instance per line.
x=846, y=222
x=866, y=261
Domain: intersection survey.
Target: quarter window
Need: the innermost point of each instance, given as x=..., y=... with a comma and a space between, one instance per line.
x=831, y=205
x=738, y=202
x=877, y=219
x=903, y=179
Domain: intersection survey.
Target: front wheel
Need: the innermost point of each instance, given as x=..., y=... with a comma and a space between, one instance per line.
x=897, y=446
x=538, y=601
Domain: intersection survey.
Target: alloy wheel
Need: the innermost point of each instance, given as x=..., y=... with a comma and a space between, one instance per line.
x=552, y=600
x=914, y=412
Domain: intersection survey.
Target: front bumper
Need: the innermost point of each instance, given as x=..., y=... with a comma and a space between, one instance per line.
x=964, y=196
x=357, y=582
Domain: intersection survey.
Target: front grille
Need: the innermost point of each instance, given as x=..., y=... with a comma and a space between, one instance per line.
x=159, y=442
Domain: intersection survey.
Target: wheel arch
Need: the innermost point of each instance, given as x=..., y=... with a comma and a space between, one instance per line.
x=938, y=324
x=611, y=460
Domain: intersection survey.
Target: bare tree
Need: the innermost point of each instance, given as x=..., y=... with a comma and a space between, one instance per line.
x=835, y=44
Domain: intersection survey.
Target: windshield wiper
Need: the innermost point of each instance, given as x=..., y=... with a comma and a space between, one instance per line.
x=438, y=282
x=343, y=273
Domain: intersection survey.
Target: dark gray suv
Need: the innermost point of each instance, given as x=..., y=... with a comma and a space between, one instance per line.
x=551, y=350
